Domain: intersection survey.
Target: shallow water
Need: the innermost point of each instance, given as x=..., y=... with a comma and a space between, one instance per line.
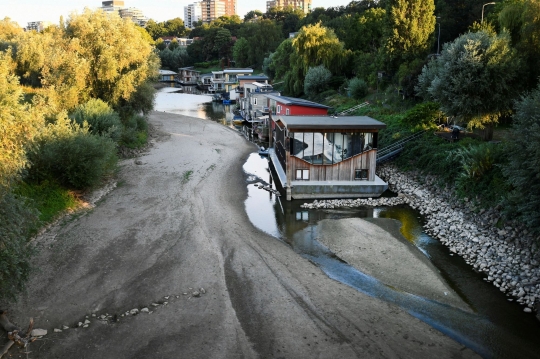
x=495, y=329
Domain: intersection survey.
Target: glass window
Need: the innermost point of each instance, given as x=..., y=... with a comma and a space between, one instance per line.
x=287, y=112
x=302, y=174
x=361, y=174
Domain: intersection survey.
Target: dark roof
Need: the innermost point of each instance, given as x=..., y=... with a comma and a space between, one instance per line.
x=296, y=101
x=252, y=77
x=330, y=123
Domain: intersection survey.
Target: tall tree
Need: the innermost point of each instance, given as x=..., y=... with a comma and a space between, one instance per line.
x=474, y=79
x=263, y=37
x=523, y=171
x=411, y=23
x=316, y=45
x=116, y=68
x=18, y=125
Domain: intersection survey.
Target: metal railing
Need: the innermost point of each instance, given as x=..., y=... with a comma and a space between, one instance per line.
x=390, y=151
x=352, y=109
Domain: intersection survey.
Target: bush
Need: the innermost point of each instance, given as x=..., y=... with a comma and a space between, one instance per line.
x=316, y=80
x=135, y=132
x=423, y=115
x=358, y=88
x=17, y=221
x=72, y=155
x=141, y=101
x=101, y=118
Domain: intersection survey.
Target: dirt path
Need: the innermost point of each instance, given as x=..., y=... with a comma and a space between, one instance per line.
x=175, y=224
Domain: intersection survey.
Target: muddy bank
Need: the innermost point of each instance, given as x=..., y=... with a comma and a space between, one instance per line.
x=134, y=266
x=376, y=247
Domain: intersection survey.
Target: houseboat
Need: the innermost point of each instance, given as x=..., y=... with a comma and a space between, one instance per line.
x=188, y=76
x=167, y=76
x=320, y=156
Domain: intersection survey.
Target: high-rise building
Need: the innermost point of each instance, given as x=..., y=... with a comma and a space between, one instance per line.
x=212, y=9
x=230, y=7
x=192, y=14
x=135, y=15
x=38, y=25
x=112, y=6
x=304, y=5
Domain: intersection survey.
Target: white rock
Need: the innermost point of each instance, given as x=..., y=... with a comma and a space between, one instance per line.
x=86, y=321
x=134, y=311
x=56, y=330
x=38, y=332
x=145, y=310
x=65, y=327
x=527, y=310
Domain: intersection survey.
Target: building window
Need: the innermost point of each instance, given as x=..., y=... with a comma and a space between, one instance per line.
x=361, y=174
x=302, y=175
x=278, y=109
x=287, y=112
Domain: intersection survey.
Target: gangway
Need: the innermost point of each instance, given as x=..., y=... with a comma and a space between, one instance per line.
x=352, y=109
x=386, y=153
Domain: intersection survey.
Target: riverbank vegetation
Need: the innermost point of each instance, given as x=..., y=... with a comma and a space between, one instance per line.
x=70, y=98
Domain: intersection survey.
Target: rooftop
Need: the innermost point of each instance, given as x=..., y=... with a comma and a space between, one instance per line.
x=295, y=101
x=330, y=123
x=166, y=72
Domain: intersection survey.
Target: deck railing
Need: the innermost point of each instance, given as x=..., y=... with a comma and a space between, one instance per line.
x=352, y=109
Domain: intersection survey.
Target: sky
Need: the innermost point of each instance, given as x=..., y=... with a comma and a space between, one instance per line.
x=24, y=11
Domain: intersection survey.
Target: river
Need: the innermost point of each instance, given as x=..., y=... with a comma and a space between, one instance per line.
x=496, y=328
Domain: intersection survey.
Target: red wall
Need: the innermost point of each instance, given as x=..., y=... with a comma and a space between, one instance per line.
x=296, y=110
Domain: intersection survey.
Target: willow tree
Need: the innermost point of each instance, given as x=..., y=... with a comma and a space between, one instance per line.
x=116, y=54
x=411, y=23
x=318, y=45
x=19, y=123
x=475, y=79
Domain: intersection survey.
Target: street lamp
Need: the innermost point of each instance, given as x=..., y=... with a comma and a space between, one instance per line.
x=489, y=3
x=439, y=36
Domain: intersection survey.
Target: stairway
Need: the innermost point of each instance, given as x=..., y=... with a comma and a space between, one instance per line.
x=387, y=153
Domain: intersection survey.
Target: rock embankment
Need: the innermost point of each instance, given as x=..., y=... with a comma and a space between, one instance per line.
x=507, y=255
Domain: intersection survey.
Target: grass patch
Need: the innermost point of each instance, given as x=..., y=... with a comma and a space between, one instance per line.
x=186, y=176
x=49, y=198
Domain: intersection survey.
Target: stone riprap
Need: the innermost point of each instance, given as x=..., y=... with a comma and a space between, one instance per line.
x=508, y=255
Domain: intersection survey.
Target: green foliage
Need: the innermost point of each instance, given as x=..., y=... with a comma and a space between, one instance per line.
x=316, y=80
x=411, y=24
x=19, y=123
x=101, y=118
x=263, y=37
x=142, y=101
x=474, y=79
x=49, y=198
x=241, y=52
x=424, y=115
x=523, y=171
x=17, y=221
x=135, y=132
x=72, y=155
x=358, y=88
x=173, y=58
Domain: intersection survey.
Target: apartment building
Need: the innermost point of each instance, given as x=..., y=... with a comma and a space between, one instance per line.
x=112, y=6
x=135, y=15
x=38, y=25
x=304, y=5
x=192, y=14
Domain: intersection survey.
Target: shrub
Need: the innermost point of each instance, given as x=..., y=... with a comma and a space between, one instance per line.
x=358, y=88
x=72, y=155
x=17, y=221
x=316, y=80
x=423, y=115
x=101, y=118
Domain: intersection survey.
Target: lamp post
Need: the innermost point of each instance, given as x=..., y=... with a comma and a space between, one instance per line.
x=489, y=3
x=439, y=36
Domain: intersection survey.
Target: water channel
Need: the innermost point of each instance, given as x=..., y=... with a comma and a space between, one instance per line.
x=496, y=328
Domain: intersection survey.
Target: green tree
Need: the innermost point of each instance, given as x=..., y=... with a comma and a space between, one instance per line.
x=523, y=171
x=155, y=30
x=19, y=124
x=411, y=23
x=358, y=88
x=174, y=27
x=101, y=118
x=263, y=37
x=253, y=14
x=521, y=18
x=316, y=80
x=116, y=68
x=9, y=29
x=474, y=79
x=316, y=45
x=241, y=52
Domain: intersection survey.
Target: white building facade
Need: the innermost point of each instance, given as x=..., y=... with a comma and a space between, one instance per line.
x=192, y=14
